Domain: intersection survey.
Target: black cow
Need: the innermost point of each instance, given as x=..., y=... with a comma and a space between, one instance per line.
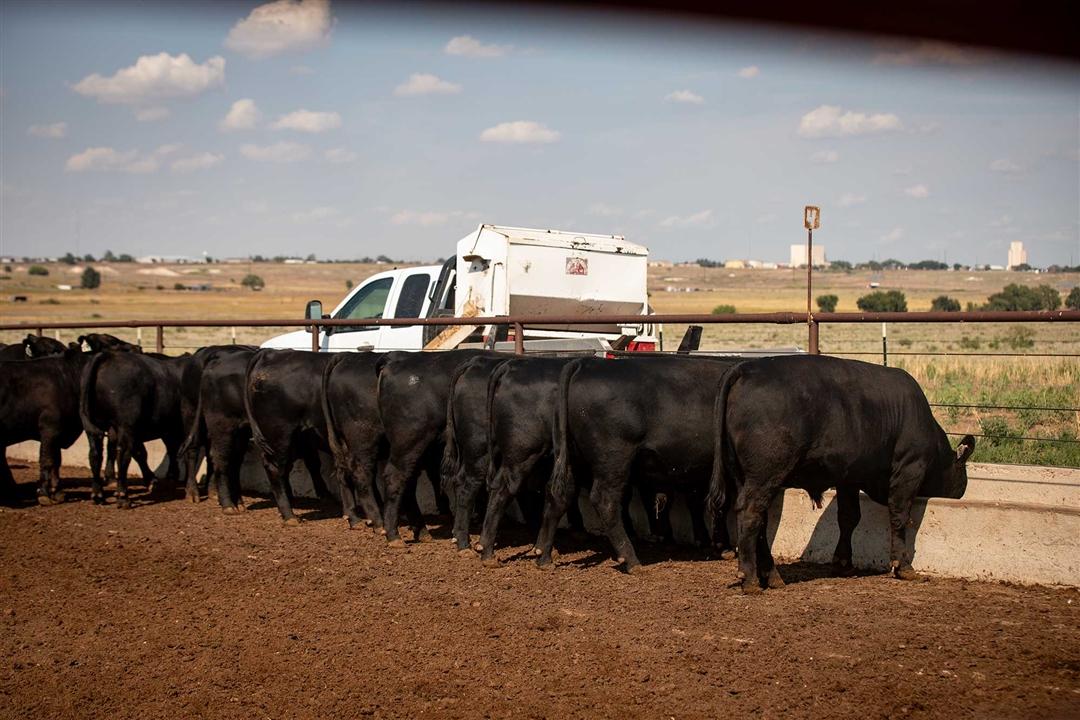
x=518, y=418
x=819, y=422
x=97, y=342
x=32, y=346
x=649, y=419
x=355, y=432
x=465, y=462
x=220, y=424
x=413, y=392
x=39, y=400
x=282, y=398
x=189, y=403
x=133, y=397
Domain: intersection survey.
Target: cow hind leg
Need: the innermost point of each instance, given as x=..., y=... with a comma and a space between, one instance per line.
x=607, y=497
x=848, y=514
x=137, y=452
x=464, y=500
x=363, y=477
x=96, y=442
x=126, y=447
x=555, y=506
x=504, y=488
x=8, y=489
x=751, y=508
x=397, y=479
x=766, y=565
x=49, y=467
x=900, y=501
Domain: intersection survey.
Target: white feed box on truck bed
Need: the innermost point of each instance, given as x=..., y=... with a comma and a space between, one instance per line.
x=519, y=271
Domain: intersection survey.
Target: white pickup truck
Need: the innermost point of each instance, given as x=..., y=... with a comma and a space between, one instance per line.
x=497, y=271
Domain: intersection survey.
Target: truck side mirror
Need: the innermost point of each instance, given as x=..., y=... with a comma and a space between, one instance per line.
x=313, y=311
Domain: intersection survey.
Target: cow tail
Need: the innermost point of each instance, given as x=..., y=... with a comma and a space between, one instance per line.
x=493, y=387
x=561, y=479
x=256, y=433
x=337, y=446
x=714, y=501
x=451, y=466
x=86, y=391
x=195, y=432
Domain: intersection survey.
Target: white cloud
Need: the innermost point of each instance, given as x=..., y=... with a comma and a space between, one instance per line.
x=340, y=156
x=851, y=199
x=107, y=159
x=202, y=161
x=834, y=121
x=168, y=149
x=469, y=46
x=152, y=114
x=1005, y=166
x=604, y=210
x=699, y=220
x=825, y=157
x=685, y=96
x=154, y=78
x=929, y=52
x=300, y=70
x=892, y=236
x=282, y=152
x=242, y=115
x=751, y=71
x=917, y=191
x=520, y=131
x=426, y=84
x=308, y=121
x=281, y=26
x=430, y=218
x=53, y=131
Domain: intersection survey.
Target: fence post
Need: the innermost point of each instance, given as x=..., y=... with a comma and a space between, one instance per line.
x=315, y=338
x=138, y=336
x=884, y=346
x=519, y=339
x=160, y=340
x=813, y=342
x=40, y=332
x=233, y=329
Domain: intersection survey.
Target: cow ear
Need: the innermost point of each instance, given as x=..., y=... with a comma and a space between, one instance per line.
x=965, y=448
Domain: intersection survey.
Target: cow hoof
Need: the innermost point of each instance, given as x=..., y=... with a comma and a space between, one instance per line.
x=638, y=570
x=123, y=504
x=466, y=552
x=491, y=562
x=229, y=511
x=751, y=587
x=907, y=573
x=291, y=522
x=397, y=544
x=422, y=535
x=774, y=580
x=544, y=564
x=727, y=554
x=98, y=500
x=45, y=500
x=843, y=569
x=193, y=498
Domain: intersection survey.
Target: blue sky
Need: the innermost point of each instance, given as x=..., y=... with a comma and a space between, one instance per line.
x=366, y=129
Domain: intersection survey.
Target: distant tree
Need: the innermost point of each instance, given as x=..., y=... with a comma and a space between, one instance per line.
x=928, y=265
x=839, y=265
x=124, y=257
x=38, y=270
x=883, y=301
x=827, y=303
x=957, y=266
x=707, y=263
x=91, y=279
x=870, y=265
x=69, y=259
x=348, y=284
x=7, y=268
x=892, y=264
x=723, y=310
x=179, y=286
x=253, y=281
x=108, y=256
x=1073, y=300
x=88, y=258
x=383, y=259
x=258, y=258
x=944, y=303
x=1022, y=267
x=310, y=258
x=1015, y=297
x=366, y=260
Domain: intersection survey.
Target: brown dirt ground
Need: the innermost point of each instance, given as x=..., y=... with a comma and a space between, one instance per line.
x=171, y=610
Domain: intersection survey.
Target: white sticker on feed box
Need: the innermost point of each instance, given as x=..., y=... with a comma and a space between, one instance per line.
x=812, y=217
x=577, y=266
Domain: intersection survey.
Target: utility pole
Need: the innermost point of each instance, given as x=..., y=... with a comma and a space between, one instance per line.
x=811, y=221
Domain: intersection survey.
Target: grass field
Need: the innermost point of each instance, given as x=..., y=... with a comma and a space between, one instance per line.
x=1004, y=364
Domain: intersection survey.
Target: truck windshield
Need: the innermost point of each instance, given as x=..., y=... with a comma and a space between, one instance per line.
x=369, y=301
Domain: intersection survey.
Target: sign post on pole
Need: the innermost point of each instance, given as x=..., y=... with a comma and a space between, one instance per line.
x=811, y=221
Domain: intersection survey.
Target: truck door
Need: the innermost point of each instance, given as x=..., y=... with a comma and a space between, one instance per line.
x=410, y=301
x=369, y=302
x=441, y=299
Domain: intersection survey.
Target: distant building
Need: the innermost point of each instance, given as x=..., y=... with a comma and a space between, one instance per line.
x=798, y=255
x=734, y=264
x=1017, y=255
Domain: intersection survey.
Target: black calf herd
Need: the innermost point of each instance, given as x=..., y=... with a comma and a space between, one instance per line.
x=727, y=435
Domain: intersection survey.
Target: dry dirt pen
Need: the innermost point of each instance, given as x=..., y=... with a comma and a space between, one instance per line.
x=173, y=610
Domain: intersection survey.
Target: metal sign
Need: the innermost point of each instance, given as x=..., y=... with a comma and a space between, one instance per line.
x=811, y=217
x=577, y=266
